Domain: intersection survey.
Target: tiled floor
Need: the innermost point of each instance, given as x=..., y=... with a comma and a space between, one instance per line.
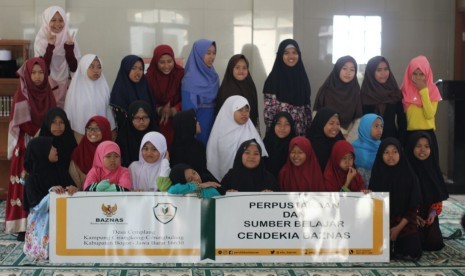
x=457, y=198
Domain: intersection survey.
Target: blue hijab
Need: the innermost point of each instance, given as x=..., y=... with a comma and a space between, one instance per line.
x=125, y=91
x=365, y=146
x=200, y=81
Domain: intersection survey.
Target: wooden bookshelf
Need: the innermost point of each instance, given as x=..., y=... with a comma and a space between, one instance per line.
x=19, y=52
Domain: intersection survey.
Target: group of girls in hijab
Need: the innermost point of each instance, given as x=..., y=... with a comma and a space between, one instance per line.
x=211, y=130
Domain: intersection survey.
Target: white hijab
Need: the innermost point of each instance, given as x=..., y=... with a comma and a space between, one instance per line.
x=59, y=70
x=144, y=175
x=87, y=98
x=227, y=135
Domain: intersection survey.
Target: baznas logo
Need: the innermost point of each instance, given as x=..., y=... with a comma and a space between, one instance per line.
x=164, y=212
x=109, y=210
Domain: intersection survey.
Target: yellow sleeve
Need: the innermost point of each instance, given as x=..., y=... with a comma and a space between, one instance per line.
x=429, y=108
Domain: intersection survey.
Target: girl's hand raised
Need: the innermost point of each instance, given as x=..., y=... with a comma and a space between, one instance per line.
x=70, y=38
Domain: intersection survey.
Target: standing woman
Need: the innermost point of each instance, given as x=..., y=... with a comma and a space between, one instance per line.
x=88, y=91
x=130, y=85
x=164, y=78
x=381, y=95
x=56, y=45
x=341, y=92
x=420, y=98
x=287, y=87
x=57, y=126
x=392, y=173
x=433, y=189
x=277, y=141
x=200, y=85
x=31, y=101
x=238, y=81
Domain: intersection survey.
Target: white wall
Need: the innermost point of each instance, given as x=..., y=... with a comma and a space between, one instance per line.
x=409, y=28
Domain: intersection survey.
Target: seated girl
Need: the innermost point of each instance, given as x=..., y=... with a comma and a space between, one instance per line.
x=97, y=130
x=44, y=175
x=107, y=174
x=277, y=140
x=302, y=172
x=340, y=173
x=140, y=121
x=422, y=157
x=248, y=173
x=186, y=180
x=370, y=131
x=392, y=173
x=153, y=162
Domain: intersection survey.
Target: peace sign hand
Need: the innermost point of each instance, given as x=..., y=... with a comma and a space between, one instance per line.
x=70, y=38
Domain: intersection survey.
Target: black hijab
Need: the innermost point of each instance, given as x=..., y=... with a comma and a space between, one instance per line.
x=277, y=148
x=185, y=148
x=322, y=144
x=399, y=180
x=379, y=94
x=248, y=180
x=65, y=143
x=340, y=96
x=432, y=185
x=245, y=88
x=125, y=91
x=289, y=84
x=129, y=138
x=177, y=175
x=43, y=174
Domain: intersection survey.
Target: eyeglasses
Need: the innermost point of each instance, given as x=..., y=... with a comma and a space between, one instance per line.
x=141, y=119
x=94, y=129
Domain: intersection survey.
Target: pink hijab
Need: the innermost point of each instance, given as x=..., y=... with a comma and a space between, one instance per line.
x=409, y=90
x=98, y=172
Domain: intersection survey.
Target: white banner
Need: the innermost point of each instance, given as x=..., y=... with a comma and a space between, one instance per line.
x=130, y=227
x=302, y=227
x=145, y=227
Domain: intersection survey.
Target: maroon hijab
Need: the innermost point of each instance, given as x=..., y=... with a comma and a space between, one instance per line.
x=165, y=88
x=306, y=177
x=334, y=176
x=83, y=154
x=39, y=98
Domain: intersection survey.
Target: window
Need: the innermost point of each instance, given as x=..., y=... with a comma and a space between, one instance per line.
x=358, y=36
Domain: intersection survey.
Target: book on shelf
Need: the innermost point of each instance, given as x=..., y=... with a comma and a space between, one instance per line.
x=6, y=102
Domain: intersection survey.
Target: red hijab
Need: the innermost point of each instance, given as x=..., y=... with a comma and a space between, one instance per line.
x=39, y=98
x=334, y=176
x=306, y=177
x=83, y=154
x=165, y=88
